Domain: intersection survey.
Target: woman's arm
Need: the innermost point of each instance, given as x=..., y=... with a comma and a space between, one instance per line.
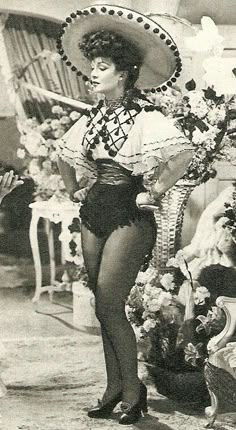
x=171, y=172
x=77, y=191
x=68, y=175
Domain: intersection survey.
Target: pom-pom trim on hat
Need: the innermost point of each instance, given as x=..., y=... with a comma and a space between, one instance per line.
x=140, y=20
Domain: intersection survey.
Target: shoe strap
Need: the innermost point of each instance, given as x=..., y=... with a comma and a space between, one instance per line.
x=125, y=407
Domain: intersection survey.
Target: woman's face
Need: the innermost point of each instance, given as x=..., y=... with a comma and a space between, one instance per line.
x=105, y=78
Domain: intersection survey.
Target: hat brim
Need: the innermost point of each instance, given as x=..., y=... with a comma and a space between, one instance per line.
x=161, y=62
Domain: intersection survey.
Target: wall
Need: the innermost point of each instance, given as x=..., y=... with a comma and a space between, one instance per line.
x=58, y=9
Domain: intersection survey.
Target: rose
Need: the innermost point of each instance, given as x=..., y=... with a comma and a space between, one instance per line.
x=21, y=153
x=55, y=124
x=167, y=281
x=57, y=110
x=149, y=324
x=74, y=116
x=65, y=120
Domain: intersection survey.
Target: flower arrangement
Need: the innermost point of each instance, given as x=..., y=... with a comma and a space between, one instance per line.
x=229, y=219
x=38, y=146
x=176, y=313
x=203, y=117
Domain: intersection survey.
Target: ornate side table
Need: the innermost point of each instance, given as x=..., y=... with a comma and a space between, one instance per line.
x=52, y=212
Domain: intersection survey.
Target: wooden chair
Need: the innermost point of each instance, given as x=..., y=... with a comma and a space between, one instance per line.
x=220, y=368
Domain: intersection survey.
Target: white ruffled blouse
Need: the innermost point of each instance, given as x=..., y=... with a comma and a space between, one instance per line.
x=140, y=141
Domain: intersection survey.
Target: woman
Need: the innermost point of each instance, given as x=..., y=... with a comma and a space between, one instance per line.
x=8, y=182
x=120, y=145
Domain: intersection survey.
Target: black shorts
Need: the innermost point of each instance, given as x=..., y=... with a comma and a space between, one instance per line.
x=108, y=207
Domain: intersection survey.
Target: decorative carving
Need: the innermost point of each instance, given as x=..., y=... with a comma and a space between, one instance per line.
x=228, y=304
x=211, y=411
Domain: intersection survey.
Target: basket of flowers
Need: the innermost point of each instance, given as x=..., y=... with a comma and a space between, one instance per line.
x=203, y=117
x=177, y=314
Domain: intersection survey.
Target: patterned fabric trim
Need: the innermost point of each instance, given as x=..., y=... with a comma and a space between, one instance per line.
x=77, y=160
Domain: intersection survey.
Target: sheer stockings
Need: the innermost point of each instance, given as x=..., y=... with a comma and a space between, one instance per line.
x=113, y=264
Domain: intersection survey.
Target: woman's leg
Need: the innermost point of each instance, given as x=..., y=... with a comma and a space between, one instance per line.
x=122, y=257
x=92, y=251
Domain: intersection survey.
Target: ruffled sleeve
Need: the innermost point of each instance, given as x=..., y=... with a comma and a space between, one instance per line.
x=71, y=150
x=152, y=142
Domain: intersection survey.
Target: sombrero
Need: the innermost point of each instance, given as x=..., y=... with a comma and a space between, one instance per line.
x=161, y=60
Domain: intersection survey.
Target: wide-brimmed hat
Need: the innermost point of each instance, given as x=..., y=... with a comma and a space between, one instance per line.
x=161, y=61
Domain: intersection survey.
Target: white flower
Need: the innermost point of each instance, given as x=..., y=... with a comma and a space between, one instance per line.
x=59, y=133
x=146, y=298
x=167, y=281
x=147, y=276
x=74, y=115
x=179, y=261
x=206, y=39
x=219, y=74
x=30, y=123
x=53, y=182
x=198, y=137
x=57, y=110
x=64, y=120
x=47, y=165
x=33, y=168
x=42, y=151
x=55, y=124
x=53, y=156
x=200, y=295
x=198, y=105
x=20, y=153
x=154, y=305
x=165, y=298
x=149, y=324
x=155, y=302
x=78, y=260
x=32, y=141
x=216, y=114
x=44, y=127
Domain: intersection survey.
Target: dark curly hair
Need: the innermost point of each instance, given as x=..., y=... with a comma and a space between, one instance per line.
x=123, y=53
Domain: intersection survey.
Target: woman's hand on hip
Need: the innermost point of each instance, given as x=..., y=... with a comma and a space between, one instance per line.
x=146, y=201
x=80, y=195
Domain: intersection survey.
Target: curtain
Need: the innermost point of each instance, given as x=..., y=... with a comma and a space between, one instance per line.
x=32, y=53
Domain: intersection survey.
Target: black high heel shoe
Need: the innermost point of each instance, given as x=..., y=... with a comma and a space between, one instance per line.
x=104, y=410
x=131, y=414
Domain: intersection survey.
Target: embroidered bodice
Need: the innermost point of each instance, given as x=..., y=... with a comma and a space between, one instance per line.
x=135, y=134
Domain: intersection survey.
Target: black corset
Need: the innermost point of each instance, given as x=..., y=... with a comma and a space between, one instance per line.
x=111, y=202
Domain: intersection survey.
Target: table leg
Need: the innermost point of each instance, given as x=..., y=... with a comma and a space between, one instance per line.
x=33, y=235
x=50, y=236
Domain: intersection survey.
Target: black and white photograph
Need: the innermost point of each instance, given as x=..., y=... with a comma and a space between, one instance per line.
x=117, y=214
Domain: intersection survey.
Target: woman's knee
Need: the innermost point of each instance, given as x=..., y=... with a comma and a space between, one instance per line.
x=108, y=306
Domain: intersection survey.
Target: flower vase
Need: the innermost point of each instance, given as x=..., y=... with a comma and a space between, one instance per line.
x=169, y=222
